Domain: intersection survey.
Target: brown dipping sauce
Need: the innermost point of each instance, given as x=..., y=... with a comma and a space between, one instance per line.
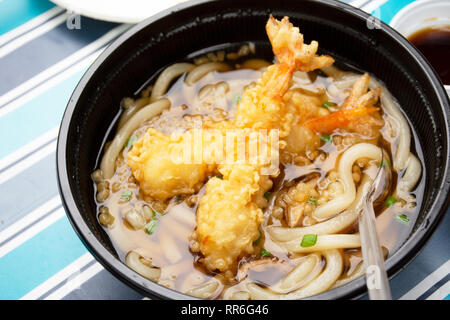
x=434, y=43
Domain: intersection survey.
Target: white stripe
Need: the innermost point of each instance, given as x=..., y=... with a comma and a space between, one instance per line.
x=75, y=282
x=31, y=232
x=441, y=293
x=27, y=26
x=29, y=148
x=31, y=217
x=372, y=5
x=48, y=84
x=55, y=80
x=27, y=162
x=357, y=3
x=49, y=25
x=428, y=282
x=61, y=65
x=58, y=277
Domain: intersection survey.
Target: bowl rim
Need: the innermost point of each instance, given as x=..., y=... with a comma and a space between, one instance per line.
x=395, y=263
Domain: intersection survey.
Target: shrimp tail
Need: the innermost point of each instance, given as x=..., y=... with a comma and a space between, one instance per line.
x=289, y=47
x=339, y=119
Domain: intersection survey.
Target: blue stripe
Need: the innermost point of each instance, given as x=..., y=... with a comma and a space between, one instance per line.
x=37, y=116
x=447, y=297
x=389, y=9
x=434, y=287
x=14, y=13
x=433, y=255
x=48, y=49
x=29, y=182
x=36, y=260
x=104, y=286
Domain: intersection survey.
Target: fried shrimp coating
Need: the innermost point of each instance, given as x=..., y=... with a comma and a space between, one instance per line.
x=263, y=106
x=229, y=213
x=228, y=217
x=289, y=47
x=301, y=138
x=154, y=164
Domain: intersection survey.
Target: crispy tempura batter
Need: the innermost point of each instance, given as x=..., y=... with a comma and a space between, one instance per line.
x=151, y=161
x=229, y=213
x=289, y=48
x=228, y=217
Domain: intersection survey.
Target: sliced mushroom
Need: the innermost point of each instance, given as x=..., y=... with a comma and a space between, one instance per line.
x=294, y=215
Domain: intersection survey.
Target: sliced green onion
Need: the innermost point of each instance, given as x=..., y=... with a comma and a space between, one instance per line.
x=237, y=97
x=130, y=141
x=313, y=201
x=265, y=253
x=151, y=226
x=126, y=195
x=257, y=241
x=267, y=195
x=156, y=213
x=325, y=138
x=309, y=240
x=385, y=163
x=402, y=218
x=328, y=104
x=390, y=201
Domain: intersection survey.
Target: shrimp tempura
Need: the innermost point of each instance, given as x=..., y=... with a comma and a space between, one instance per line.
x=228, y=216
x=356, y=108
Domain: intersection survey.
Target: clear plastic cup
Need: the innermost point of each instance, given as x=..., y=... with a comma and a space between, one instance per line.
x=422, y=14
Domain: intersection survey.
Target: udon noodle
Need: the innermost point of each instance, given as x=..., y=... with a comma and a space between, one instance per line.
x=226, y=231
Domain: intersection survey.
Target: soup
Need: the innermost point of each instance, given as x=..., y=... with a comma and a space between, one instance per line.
x=234, y=178
x=434, y=43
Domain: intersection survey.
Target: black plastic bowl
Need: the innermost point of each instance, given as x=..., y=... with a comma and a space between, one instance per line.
x=176, y=33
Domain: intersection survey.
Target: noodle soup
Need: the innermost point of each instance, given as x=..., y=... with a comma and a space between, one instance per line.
x=216, y=230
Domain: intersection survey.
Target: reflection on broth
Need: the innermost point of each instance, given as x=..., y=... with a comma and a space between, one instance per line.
x=227, y=231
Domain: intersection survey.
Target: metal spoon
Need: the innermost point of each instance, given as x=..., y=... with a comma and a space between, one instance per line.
x=376, y=276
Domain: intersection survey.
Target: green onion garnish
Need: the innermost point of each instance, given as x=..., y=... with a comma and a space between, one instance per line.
x=267, y=195
x=130, y=141
x=402, y=218
x=126, y=195
x=237, y=97
x=156, y=213
x=151, y=226
x=385, y=163
x=390, y=201
x=265, y=253
x=328, y=104
x=257, y=241
x=313, y=201
x=309, y=240
x=325, y=138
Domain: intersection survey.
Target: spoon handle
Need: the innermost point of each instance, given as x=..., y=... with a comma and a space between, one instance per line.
x=376, y=276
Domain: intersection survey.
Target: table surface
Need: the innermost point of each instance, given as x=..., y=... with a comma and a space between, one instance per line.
x=41, y=257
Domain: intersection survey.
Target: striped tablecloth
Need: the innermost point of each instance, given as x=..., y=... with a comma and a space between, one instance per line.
x=41, y=257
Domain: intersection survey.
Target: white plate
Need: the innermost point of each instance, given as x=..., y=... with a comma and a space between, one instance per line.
x=126, y=11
